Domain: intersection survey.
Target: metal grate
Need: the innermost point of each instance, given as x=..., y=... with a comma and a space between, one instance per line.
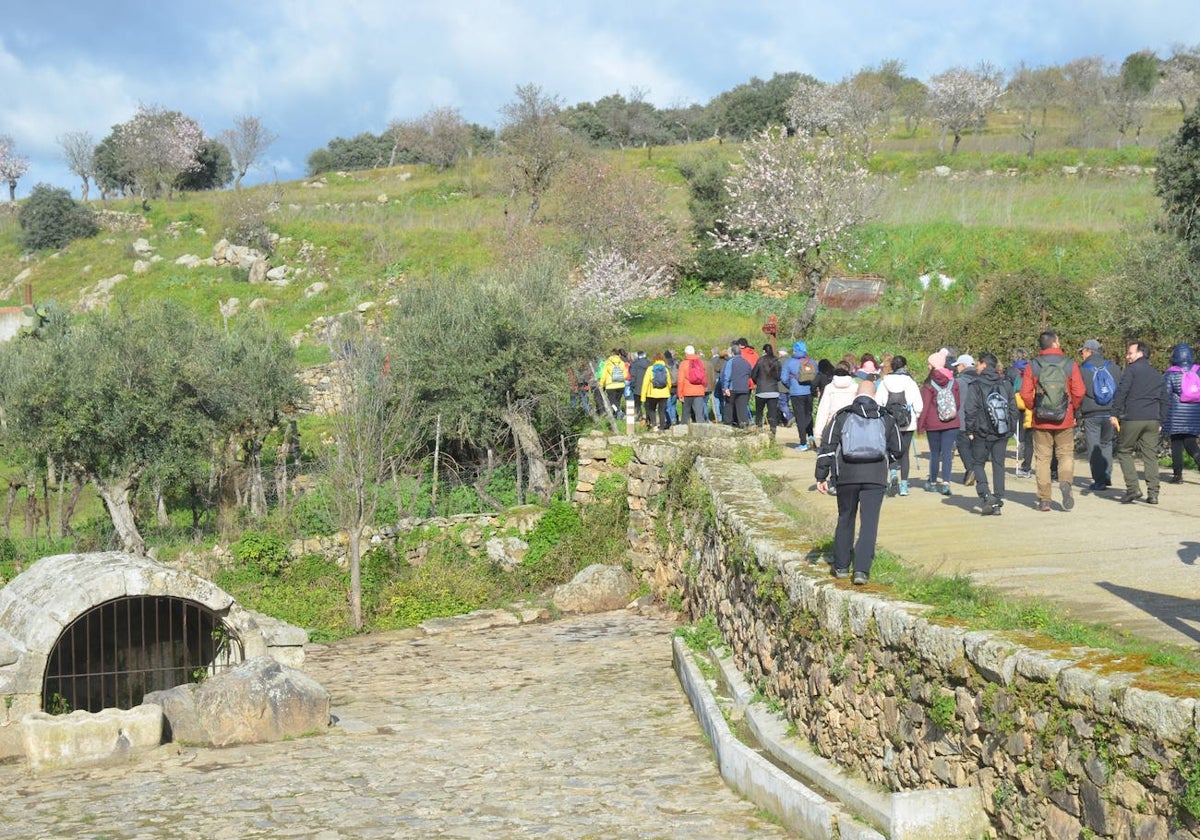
x=117, y=652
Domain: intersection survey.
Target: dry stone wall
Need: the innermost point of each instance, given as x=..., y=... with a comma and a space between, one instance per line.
x=1061, y=742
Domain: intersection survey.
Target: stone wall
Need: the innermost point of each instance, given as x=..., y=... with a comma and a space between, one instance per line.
x=1062, y=742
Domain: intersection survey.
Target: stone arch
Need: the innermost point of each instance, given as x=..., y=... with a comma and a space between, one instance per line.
x=40, y=605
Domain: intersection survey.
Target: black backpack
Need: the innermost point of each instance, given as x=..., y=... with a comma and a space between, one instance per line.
x=995, y=409
x=898, y=407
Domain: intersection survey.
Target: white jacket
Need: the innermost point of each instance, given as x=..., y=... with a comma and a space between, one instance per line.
x=896, y=383
x=838, y=394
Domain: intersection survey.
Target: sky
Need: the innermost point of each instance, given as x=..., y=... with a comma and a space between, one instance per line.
x=312, y=70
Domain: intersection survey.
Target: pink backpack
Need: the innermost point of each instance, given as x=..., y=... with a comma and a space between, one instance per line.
x=1189, y=386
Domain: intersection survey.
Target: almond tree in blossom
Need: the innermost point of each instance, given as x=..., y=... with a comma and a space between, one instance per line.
x=12, y=165
x=960, y=99
x=610, y=282
x=158, y=146
x=795, y=201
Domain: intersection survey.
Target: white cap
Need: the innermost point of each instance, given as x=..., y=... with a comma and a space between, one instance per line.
x=689, y=350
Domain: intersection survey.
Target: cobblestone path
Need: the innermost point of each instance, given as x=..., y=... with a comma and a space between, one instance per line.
x=570, y=729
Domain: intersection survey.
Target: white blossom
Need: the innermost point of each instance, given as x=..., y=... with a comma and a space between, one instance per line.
x=960, y=99
x=159, y=145
x=610, y=282
x=12, y=165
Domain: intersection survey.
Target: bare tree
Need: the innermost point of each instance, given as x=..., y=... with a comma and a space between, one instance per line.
x=440, y=138
x=79, y=153
x=796, y=200
x=535, y=142
x=371, y=436
x=12, y=165
x=1031, y=91
x=247, y=141
x=1084, y=81
x=960, y=99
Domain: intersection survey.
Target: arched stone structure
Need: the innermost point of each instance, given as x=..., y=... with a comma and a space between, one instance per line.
x=39, y=606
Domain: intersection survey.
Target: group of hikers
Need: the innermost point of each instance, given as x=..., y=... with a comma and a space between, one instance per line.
x=869, y=411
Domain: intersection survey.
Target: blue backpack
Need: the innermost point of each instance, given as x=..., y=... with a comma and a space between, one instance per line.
x=1104, y=386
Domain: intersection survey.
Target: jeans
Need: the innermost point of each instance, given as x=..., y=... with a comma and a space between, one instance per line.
x=861, y=502
x=1098, y=430
x=941, y=453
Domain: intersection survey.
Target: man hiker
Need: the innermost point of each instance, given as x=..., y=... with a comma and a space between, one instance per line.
x=1053, y=390
x=989, y=418
x=1095, y=412
x=1139, y=411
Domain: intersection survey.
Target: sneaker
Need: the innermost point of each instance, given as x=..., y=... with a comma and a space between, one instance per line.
x=893, y=486
x=1151, y=499
x=944, y=488
x=1068, y=499
x=1097, y=486
x=1130, y=496
x=931, y=486
x=1043, y=505
x=988, y=508
x=1177, y=478
x=1023, y=473
x=841, y=573
x=802, y=447
x=860, y=578
x=903, y=487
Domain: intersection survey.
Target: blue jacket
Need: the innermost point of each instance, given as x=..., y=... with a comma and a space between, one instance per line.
x=735, y=377
x=790, y=376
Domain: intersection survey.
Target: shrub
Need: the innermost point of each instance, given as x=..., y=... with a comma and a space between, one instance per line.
x=50, y=218
x=266, y=552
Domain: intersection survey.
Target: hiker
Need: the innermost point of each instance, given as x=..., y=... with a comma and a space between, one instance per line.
x=1139, y=413
x=799, y=376
x=964, y=374
x=692, y=387
x=656, y=392
x=1053, y=389
x=857, y=449
x=637, y=373
x=839, y=393
x=614, y=380
x=765, y=373
x=1095, y=412
x=989, y=417
x=1183, y=411
x=899, y=394
x=1016, y=375
x=940, y=399
x=735, y=388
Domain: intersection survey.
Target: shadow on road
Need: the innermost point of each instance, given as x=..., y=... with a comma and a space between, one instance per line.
x=1180, y=614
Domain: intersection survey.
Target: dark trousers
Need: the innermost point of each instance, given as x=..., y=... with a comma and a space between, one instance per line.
x=859, y=503
x=1141, y=437
x=768, y=408
x=802, y=411
x=982, y=451
x=656, y=412
x=906, y=439
x=1027, y=449
x=1098, y=431
x=737, y=409
x=1178, y=444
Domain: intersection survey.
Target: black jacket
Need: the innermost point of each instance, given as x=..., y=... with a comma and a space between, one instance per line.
x=829, y=459
x=1141, y=394
x=976, y=420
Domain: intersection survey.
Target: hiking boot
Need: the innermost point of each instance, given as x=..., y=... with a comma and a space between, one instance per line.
x=903, y=487
x=1152, y=499
x=841, y=573
x=1068, y=499
x=1130, y=496
x=988, y=508
x=1177, y=478
x=860, y=578
x=1043, y=505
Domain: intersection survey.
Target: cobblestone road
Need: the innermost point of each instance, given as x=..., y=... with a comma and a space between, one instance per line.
x=571, y=729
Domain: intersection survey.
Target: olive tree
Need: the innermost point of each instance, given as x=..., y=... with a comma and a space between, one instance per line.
x=795, y=201
x=1177, y=180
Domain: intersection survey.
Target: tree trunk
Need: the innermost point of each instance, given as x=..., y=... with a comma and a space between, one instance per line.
x=531, y=445
x=355, y=550
x=258, y=491
x=160, y=509
x=117, y=496
x=812, y=285
x=69, y=511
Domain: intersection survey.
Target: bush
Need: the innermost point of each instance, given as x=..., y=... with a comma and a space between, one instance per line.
x=50, y=218
x=266, y=552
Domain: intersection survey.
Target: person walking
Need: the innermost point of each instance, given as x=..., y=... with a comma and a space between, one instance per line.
x=1095, y=412
x=614, y=380
x=656, y=393
x=798, y=375
x=900, y=395
x=1139, y=413
x=861, y=444
x=989, y=417
x=1183, y=417
x=1053, y=389
x=766, y=373
x=939, y=421
x=692, y=387
x=735, y=388
x=637, y=373
x=839, y=393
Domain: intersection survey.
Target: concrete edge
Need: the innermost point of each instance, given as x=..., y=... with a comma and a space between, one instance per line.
x=932, y=814
x=797, y=807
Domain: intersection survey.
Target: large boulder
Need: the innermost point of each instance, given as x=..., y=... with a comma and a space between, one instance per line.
x=597, y=588
x=259, y=700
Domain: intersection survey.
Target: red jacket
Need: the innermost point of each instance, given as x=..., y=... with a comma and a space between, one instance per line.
x=929, y=420
x=1075, y=392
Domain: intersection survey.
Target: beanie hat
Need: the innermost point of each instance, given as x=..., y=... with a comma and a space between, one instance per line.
x=800, y=348
x=937, y=360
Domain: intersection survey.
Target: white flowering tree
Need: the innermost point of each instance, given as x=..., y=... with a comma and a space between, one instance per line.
x=795, y=200
x=856, y=108
x=610, y=282
x=158, y=146
x=960, y=99
x=12, y=165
